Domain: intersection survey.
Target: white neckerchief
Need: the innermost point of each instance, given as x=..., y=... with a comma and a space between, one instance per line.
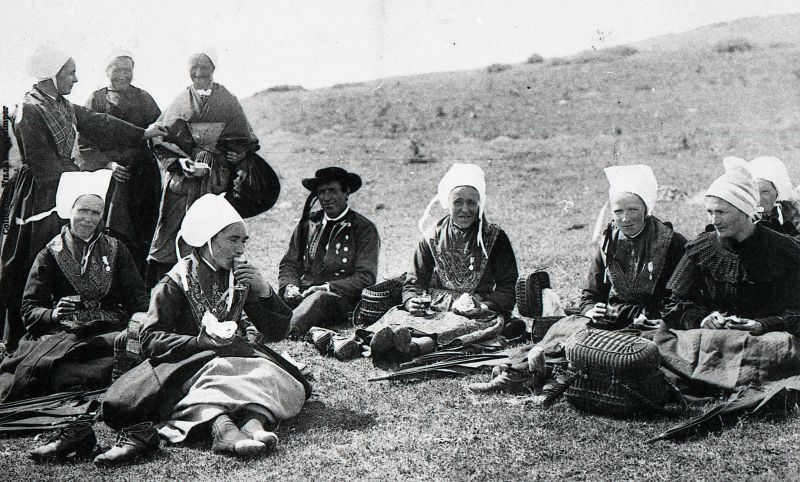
x=204, y=93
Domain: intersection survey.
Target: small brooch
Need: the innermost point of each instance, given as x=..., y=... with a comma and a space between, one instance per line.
x=105, y=262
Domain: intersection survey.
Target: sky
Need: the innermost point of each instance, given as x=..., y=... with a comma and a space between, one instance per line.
x=318, y=43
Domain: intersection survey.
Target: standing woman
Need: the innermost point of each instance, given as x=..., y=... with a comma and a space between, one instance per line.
x=203, y=169
x=46, y=127
x=132, y=207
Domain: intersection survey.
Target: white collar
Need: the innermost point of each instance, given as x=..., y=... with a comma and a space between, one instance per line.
x=344, y=213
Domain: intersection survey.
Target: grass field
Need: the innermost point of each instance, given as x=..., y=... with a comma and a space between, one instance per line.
x=542, y=133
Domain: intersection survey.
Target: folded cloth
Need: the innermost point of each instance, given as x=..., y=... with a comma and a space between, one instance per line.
x=728, y=358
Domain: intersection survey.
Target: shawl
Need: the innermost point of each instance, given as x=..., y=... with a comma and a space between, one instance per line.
x=220, y=106
x=204, y=293
x=59, y=117
x=640, y=284
x=91, y=272
x=458, y=256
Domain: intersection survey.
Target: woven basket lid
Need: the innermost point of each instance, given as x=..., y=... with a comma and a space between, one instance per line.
x=612, y=349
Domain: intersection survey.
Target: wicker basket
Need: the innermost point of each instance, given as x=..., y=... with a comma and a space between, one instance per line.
x=529, y=293
x=618, y=373
x=377, y=299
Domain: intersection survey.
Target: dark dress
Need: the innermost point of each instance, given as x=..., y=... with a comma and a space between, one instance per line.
x=179, y=190
x=757, y=279
x=45, y=132
x=635, y=281
x=449, y=261
x=51, y=358
x=168, y=338
x=131, y=207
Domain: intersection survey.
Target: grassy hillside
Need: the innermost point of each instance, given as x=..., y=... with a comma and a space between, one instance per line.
x=542, y=132
x=776, y=30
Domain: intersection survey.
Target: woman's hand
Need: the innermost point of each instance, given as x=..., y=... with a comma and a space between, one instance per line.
x=194, y=169
x=415, y=306
x=248, y=274
x=745, y=324
x=155, y=130
x=714, y=321
x=120, y=173
x=207, y=342
x=597, y=312
x=64, y=309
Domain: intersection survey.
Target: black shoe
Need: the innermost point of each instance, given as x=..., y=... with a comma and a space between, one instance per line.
x=78, y=438
x=132, y=443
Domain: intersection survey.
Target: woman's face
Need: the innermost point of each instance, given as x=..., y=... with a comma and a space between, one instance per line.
x=120, y=73
x=229, y=244
x=728, y=221
x=66, y=78
x=201, y=71
x=629, y=213
x=767, y=195
x=87, y=212
x=464, y=205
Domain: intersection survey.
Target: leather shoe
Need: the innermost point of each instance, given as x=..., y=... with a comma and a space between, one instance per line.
x=78, y=438
x=382, y=341
x=321, y=338
x=345, y=348
x=132, y=443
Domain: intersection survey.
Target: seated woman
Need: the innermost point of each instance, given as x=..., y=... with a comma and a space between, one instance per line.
x=776, y=210
x=775, y=190
x=82, y=289
x=742, y=271
x=206, y=363
x=629, y=274
x=628, y=277
x=463, y=264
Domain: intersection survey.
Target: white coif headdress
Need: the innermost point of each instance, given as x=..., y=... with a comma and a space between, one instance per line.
x=205, y=218
x=71, y=186
x=46, y=62
x=460, y=174
x=737, y=187
x=636, y=179
x=117, y=54
x=209, y=52
x=773, y=170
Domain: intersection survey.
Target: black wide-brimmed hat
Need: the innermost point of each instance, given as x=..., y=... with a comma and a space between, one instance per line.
x=326, y=174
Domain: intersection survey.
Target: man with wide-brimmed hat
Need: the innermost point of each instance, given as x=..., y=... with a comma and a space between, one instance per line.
x=332, y=256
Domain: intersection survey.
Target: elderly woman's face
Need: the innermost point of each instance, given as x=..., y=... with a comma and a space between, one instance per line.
x=628, y=212
x=464, y=206
x=201, y=71
x=66, y=78
x=727, y=219
x=229, y=244
x=87, y=212
x=767, y=195
x=120, y=73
